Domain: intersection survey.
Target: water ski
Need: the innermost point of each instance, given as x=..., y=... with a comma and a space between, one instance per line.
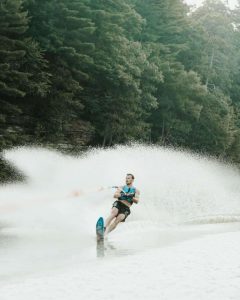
x=100, y=229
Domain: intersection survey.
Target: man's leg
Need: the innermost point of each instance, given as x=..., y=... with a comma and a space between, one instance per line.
x=113, y=215
x=114, y=224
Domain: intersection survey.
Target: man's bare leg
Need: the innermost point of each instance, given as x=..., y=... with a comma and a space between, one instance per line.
x=114, y=224
x=113, y=215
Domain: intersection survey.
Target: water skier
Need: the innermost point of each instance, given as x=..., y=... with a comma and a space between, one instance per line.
x=126, y=195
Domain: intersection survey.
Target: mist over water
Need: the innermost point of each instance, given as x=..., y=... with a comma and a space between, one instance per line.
x=49, y=220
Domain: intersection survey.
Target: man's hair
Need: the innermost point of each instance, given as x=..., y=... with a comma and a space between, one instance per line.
x=129, y=174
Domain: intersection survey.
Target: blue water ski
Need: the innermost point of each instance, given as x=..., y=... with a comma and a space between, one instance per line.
x=100, y=228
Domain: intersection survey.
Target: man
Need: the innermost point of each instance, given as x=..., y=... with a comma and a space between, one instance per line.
x=126, y=195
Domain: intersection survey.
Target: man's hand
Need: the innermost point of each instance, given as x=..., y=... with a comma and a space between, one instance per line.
x=136, y=198
x=117, y=194
x=128, y=194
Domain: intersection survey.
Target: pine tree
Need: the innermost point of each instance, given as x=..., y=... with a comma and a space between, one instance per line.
x=215, y=51
x=119, y=104
x=188, y=113
x=179, y=95
x=22, y=71
x=63, y=30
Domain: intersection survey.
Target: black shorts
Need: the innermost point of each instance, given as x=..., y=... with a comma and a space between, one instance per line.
x=122, y=209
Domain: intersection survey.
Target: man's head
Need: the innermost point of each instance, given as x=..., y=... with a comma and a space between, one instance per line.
x=129, y=179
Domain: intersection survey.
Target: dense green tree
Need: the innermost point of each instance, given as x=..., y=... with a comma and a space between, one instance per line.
x=181, y=100
x=216, y=60
x=74, y=73
x=23, y=73
x=215, y=129
x=179, y=95
x=189, y=113
x=119, y=103
x=63, y=30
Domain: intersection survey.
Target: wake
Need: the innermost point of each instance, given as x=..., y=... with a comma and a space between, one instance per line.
x=175, y=186
x=49, y=220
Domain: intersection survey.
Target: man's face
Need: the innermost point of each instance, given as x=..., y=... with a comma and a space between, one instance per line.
x=129, y=179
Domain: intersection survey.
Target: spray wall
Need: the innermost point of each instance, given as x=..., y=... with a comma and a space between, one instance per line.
x=49, y=220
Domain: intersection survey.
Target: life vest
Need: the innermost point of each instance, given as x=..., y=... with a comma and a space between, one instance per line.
x=129, y=190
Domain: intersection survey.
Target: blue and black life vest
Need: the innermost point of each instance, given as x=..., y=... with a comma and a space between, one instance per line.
x=130, y=191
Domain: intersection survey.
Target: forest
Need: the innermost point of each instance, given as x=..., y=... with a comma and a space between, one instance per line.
x=80, y=73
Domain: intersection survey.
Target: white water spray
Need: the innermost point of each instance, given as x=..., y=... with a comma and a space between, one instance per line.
x=57, y=207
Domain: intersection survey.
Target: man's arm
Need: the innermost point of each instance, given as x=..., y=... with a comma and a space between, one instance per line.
x=136, y=197
x=117, y=194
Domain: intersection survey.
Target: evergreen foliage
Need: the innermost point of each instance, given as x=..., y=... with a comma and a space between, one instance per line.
x=93, y=72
